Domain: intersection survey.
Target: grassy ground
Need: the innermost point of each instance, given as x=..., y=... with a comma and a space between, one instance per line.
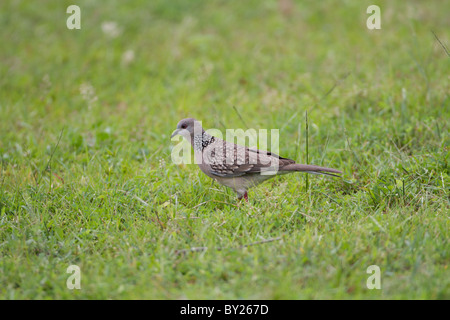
x=86, y=176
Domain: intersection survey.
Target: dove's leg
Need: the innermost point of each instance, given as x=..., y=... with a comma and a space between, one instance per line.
x=245, y=196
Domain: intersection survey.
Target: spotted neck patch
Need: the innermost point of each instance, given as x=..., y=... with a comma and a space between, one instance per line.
x=202, y=141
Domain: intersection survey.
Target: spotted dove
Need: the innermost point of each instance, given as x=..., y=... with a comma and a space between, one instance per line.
x=235, y=166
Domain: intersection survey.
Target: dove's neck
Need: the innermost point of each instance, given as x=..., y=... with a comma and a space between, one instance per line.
x=201, y=141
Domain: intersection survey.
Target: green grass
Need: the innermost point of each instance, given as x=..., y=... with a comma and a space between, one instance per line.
x=86, y=178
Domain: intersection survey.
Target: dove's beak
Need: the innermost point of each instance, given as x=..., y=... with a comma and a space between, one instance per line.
x=177, y=131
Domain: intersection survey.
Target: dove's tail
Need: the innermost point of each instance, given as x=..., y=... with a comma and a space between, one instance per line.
x=311, y=169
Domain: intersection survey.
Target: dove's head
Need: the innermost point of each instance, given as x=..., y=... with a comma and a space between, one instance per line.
x=188, y=128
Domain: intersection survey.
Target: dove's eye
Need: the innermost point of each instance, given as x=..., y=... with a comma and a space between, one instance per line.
x=183, y=126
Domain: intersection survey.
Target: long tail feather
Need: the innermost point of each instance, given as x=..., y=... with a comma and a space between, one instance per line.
x=323, y=173
x=311, y=169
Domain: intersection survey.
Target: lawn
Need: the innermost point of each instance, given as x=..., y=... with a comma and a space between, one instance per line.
x=86, y=176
